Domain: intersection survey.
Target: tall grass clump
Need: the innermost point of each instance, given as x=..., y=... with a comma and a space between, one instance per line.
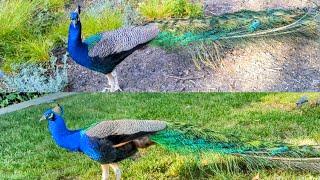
x=24, y=31
x=162, y=9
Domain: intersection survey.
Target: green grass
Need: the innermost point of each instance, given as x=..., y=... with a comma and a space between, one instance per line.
x=25, y=27
x=27, y=150
x=163, y=9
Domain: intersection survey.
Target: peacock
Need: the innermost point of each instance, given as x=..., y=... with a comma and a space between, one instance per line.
x=104, y=51
x=201, y=37
x=109, y=142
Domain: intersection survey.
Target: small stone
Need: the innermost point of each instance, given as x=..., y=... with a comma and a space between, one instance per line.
x=302, y=101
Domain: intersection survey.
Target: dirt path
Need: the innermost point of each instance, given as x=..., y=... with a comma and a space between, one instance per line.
x=271, y=65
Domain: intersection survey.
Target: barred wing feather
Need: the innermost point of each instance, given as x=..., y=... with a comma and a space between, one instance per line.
x=125, y=128
x=123, y=39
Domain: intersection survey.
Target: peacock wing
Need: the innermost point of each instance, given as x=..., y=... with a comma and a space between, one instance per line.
x=120, y=131
x=123, y=39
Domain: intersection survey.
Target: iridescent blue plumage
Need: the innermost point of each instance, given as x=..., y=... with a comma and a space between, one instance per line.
x=72, y=140
x=105, y=142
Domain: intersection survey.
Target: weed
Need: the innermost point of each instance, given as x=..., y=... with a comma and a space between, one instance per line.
x=7, y=99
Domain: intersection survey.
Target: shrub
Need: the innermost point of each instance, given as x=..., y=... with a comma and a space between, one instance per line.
x=161, y=9
x=7, y=99
x=35, y=78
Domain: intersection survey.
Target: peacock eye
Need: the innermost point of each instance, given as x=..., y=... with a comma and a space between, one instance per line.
x=50, y=116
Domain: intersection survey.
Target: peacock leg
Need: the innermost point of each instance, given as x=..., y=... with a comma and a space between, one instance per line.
x=105, y=171
x=143, y=142
x=113, y=83
x=116, y=170
x=116, y=81
x=110, y=82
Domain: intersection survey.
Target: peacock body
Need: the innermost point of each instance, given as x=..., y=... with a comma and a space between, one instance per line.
x=105, y=142
x=104, y=51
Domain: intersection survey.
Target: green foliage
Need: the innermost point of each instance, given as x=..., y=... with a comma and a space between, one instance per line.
x=30, y=153
x=7, y=99
x=107, y=20
x=36, y=78
x=162, y=9
x=25, y=29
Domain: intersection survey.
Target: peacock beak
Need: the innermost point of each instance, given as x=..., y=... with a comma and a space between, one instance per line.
x=43, y=118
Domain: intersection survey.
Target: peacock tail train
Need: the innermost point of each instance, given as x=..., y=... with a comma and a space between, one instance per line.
x=240, y=25
x=187, y=140
x=206, y=39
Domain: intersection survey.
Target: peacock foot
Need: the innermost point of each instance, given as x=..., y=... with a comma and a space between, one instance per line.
x=118, y=89
x=111, y=90
x=106, y=89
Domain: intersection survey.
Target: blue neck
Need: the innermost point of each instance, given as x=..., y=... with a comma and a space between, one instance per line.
x=76, y=48
x=62, y=136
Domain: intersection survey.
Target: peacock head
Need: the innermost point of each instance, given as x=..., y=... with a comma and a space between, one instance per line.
x=75, y=16
x=51, y=114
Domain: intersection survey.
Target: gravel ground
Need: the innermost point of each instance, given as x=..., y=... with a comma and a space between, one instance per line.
x=270, y=65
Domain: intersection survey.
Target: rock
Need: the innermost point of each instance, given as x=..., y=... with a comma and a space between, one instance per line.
x=302, y=101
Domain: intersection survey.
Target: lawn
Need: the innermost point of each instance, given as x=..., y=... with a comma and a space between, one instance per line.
x=27, y=150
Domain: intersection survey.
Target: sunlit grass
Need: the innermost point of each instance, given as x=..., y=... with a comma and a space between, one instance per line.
x=28, y=151
x=161, y=9
x=24, y=30
x=108, y=20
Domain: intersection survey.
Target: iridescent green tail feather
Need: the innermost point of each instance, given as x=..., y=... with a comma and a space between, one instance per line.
x=244, y=24
x=185, y=140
